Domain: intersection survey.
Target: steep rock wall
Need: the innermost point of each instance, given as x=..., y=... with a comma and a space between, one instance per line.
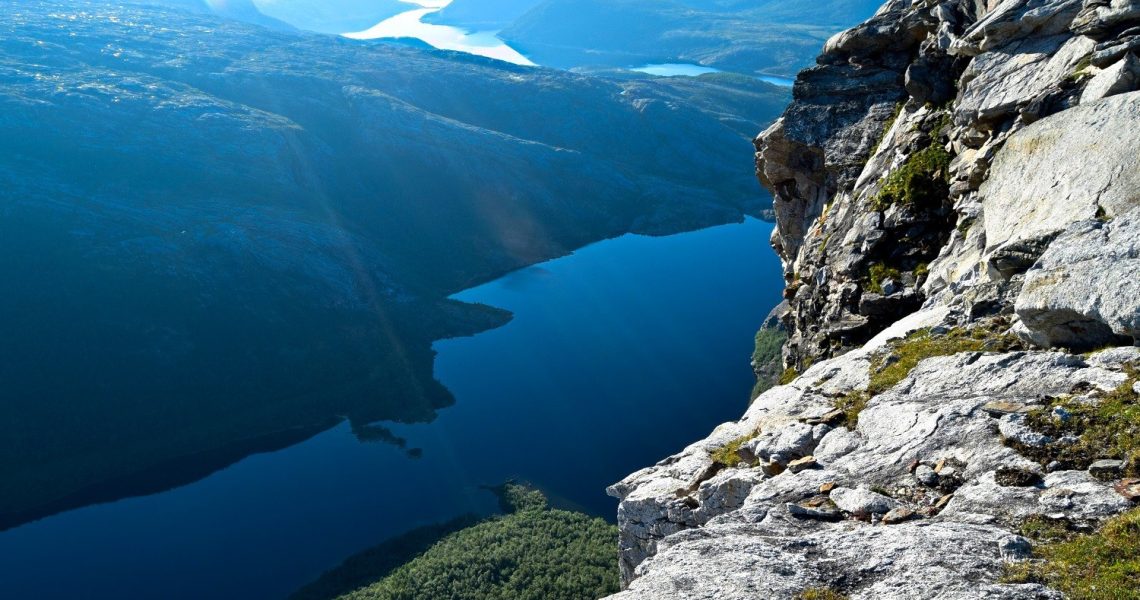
x=958, y=214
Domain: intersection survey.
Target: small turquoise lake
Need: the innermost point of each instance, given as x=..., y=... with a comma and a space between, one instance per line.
x=618, y=355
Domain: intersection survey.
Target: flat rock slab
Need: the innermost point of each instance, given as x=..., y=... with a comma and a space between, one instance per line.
x=1065, y=168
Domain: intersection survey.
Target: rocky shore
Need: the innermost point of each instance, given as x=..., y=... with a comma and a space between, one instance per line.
x=957, y=194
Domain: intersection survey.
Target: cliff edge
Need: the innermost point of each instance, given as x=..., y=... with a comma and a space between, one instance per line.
x=957, y=193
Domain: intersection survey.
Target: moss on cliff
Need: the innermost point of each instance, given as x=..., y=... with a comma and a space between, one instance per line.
x=729, y=454
x=890, y=368
x=879, y=273
x=820, y=594
x=921, y=180
x=852, y=403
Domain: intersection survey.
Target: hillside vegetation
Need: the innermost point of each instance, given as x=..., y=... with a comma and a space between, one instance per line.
x=532, y=553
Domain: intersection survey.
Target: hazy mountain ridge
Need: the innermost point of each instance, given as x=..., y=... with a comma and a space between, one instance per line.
x=769, y=37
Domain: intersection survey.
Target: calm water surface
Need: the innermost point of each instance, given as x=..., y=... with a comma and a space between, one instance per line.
x=675, y=70
x=619, y=355
x=445, y=37
x=691, y=70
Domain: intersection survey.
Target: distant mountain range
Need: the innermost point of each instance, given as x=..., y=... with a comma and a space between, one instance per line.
x=483, y=15
x=745, y=36
x=219, y=238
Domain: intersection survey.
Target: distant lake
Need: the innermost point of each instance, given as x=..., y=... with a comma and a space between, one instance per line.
x=691, y=70
x=445, y=37
x=774, y=80
x=675, y=70
x=619, y=355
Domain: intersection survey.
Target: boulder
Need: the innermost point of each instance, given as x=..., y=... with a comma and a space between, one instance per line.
x=1123, y=76
x=1013, y=20
x=898, y=515
x=862, y=502
x=926, y=476
x=1106, y=469
x=1015, y=548
x=1014, y=428
x=1098, y=18
x=1114, y=49
x=1084, y=292
x=784, y=444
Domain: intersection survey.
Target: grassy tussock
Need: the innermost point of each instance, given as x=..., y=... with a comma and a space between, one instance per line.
x=889, y=369
x=1104, y=565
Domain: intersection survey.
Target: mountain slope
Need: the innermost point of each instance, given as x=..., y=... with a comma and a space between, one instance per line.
x=769, y=38
x=959, y=220
x=222, y=238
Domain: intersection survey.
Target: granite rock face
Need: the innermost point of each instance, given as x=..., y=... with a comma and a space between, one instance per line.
x=1083, y=290
x=879, y=178
x=955, y=187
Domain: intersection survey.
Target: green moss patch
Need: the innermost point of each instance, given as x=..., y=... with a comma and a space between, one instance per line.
x=922, y=180
x=852, y=404
x=820, y=594
x=729, y=454
x=877, y=274
x=890, y=368
x=1108, y=429
x=1104, y=565
x=1080, y=69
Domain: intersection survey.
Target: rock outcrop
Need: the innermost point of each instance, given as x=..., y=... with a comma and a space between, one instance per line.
x=958, y=211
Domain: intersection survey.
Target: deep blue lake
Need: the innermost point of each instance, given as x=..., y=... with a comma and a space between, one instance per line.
x=618, y=356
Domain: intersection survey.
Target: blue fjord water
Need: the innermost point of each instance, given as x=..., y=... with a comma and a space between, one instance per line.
x=619, y=355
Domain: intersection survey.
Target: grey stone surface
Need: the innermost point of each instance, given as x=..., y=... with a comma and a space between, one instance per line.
x=862, y=502
x=1098, y=17
x=1084, y=292
x=1066, y=168
x=918, y=560
x=998, y=84
x=1013, y=20
x=1120, y=77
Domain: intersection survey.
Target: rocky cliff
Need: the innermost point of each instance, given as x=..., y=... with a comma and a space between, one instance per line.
x=957, y=193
